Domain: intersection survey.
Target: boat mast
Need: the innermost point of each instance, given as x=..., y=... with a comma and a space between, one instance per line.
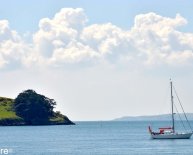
x=172, y=102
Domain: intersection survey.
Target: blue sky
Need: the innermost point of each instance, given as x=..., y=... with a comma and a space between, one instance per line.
x=98, y=59
x=25, y=15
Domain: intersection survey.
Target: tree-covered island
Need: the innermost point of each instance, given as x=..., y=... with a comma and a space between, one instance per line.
x=30, y=108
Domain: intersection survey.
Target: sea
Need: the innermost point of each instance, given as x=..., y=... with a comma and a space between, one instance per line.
x=91, y=138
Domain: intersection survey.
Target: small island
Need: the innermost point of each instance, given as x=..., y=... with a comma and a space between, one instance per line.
x=30, y=108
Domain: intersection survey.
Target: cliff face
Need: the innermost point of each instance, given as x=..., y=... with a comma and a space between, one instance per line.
x=8, y=116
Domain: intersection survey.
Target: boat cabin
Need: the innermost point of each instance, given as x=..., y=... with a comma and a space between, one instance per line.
x=165, y=130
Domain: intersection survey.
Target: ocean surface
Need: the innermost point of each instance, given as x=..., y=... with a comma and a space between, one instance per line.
x=90, y=138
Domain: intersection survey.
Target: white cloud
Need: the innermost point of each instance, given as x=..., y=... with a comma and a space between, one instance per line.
x=158, y=38
x=72, y=18
x=57, y=40
x=158, y=23
x=73, y=52
x=66, y=39
x=13, y=50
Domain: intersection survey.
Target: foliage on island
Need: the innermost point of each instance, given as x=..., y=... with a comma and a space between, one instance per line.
x=34, y=107
x=30, y=108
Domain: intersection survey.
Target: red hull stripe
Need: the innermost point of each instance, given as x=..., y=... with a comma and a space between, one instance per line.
x=165, y=128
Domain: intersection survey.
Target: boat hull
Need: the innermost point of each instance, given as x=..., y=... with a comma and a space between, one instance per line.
x=172, y=136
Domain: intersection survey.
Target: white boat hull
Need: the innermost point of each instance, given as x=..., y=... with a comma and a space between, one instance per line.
x=172, y=136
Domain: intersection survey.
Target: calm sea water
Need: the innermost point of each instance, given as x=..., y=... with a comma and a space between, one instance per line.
x=90, y=138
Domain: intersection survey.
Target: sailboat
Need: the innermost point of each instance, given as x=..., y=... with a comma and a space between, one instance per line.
x=170, y=132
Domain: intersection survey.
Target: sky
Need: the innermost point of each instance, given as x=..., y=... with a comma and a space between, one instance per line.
x=99, y=60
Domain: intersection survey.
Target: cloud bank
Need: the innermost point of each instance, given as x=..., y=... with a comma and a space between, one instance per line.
x=66, y=39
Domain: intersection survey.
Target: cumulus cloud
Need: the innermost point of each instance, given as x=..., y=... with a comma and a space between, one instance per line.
x=73, y=52
x=58, y=39
x=13, y=50
x=157, y=37
x=67, y=39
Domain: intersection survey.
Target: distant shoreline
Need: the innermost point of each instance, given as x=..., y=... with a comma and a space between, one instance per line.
x=161, y=117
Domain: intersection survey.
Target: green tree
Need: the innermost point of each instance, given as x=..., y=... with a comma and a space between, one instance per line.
x=34, y=108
